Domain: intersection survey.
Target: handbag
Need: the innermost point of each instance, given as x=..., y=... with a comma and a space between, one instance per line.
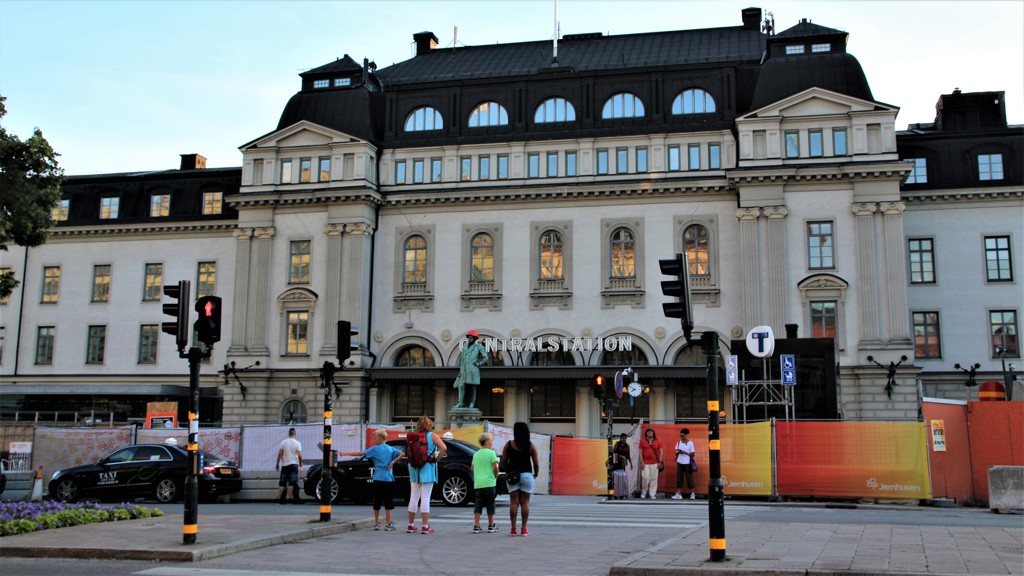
x=512, y=477
x=661, y=466
x=693, y=464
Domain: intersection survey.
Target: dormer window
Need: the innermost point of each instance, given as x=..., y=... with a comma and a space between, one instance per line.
x=342, y=82
x=424, y=118
x=321, y=83
x=821, y=47
x=795, y=49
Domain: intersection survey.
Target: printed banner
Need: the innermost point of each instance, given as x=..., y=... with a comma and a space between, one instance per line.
x=853, y=459
x=580, y=466
x=57, y=448
x=746, y=457
x=223, y=442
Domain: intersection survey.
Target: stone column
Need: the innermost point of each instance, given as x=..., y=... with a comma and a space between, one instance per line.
x=354, y=295
x=332, y=297
x=586, y=413
x=441, y=404
x=896, y=273
x=750, y=279
x=659, y=408
x=259, y=291
x=243, y=246
x=776, y=277
x=867, y=271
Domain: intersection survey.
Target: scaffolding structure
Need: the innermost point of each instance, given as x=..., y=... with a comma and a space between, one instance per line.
x=762, y=393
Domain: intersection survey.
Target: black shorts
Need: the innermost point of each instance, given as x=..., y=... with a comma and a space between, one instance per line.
x=484, y=498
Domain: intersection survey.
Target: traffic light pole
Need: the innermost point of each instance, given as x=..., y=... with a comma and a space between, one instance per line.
x=326, y=474
x=191, y=525
x=716, y=492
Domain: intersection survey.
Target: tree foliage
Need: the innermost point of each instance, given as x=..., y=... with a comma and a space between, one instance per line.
x=30, y=182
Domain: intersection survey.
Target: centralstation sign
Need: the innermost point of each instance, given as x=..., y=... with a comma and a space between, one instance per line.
x=558, y=343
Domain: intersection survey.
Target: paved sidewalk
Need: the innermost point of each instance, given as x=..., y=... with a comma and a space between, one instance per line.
x=762, y=548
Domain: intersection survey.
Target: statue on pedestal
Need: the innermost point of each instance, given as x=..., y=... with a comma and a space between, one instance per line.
x=473, y=357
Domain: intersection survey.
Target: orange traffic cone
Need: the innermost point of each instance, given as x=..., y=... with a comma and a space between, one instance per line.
x=37, y=487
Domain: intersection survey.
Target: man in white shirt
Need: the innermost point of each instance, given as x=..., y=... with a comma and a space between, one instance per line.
x=289, y=462
x=684, y=452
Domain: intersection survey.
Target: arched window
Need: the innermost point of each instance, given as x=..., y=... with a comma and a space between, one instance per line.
x=554, y=110
x=481, y=258
x=415, y=268
x=623, y=263
x=693, y=101
x=633, y=357
x=550, y=255
x=623, y=105
x=294, y=412
x=414, y=357
x=558, y=357
x=424, y=118
x=488, y=114
x=696, y=243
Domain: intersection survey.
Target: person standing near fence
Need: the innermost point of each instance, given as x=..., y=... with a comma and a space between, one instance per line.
x=383, y=456
x=289, y=464
x=685, y=452
x=423, y=478
x=520, y=456
x=654, y=461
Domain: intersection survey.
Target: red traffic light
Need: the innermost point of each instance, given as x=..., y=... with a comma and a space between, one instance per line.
x=598, y=386
x=207, y=327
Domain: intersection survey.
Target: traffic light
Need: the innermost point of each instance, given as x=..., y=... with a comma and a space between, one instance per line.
x=345, y=345
x=680, y=289
x=207, y=326
x=179, y=309
x=598, y=386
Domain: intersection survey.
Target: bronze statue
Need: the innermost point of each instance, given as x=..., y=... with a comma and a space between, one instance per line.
x=473, y=357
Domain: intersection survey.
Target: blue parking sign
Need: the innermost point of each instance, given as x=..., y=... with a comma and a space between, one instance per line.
x=788, y=362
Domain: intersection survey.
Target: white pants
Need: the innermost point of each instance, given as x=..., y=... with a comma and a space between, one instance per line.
x=419, y=493
x=650, y=480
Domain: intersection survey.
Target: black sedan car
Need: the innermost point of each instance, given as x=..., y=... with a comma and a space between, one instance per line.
x=352, y=478
x=145, y=471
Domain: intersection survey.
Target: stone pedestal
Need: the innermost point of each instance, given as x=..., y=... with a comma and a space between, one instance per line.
x=464, y=417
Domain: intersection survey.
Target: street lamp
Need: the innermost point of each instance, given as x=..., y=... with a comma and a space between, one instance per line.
x=1007, y=374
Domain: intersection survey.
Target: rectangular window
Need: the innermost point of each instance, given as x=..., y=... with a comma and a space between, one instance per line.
x=821, y=47
x=298, y=330
x=45, y=336
x=824, y=319
x=465, y=168
x=990, y=166
x=570, y=163
x=97, y=342
x=101, y=283
x=51, y=284
x=325, y=169
x=323, y=83
x=922, y=261
x=533, y=165
x=59, y=213
x=257, y=172
x=815, y=143
x=502, y=166
x=693, y=157
x=998, y=267
x=148, y=339
x=673, y=158
x=819, y=246
x=483, y=167
x=206, y=279
x=305, y=170
x=342, y=81
x=792, y=144
x=286, y=171
x=641, y=159
x=213, y=203
x=152, y=289
x=714, y=156
x=621, y=160
x=298, y=262
x=795, y=49
x=400, y=172
x=839, y=142
x=417, y=171
x=159, y=205
x=602, y=161
x=552, y=165
x=553, y=400
x=435, y=169
x=109, y=208
x=1003, y=324
x=919, y=175
x=926, y=335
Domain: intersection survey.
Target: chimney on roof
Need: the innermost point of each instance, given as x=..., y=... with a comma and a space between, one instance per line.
x=425, y=42
x=192, y=162
x=752, y=19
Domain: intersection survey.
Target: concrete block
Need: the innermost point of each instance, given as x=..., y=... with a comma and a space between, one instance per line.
x=1006, y=488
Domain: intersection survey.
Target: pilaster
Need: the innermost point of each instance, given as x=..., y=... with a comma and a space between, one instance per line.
x=776, y=271
x=243, y=248
x=259, y=293
x=332, y=298
x=896, y=273
x=867, y=271
x=750, y=280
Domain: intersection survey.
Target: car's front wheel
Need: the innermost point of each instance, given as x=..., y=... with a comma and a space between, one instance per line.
x=67, y=490
x=335, y=490
x=455, y=490
x=166, y=490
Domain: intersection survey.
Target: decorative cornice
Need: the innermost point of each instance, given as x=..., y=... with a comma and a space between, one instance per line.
x=513, y=193
x=177, y=228
x=304, y=197
x=959, y=195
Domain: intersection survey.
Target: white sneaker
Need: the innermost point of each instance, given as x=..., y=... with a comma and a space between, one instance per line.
x=677, y=497
x=654, y=496
x=693, y=496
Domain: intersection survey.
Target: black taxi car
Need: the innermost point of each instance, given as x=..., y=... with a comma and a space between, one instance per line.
x=353, y=478
x=145, y=471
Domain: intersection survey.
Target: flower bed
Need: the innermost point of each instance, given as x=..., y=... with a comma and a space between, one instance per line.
x=25, y=517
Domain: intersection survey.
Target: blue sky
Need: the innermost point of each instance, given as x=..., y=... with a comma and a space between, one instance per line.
x=129, y=85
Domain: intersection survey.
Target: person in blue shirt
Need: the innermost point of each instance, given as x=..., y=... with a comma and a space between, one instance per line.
x=383, y=457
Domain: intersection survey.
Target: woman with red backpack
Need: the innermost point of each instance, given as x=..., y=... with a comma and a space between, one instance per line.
x=423, y=478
